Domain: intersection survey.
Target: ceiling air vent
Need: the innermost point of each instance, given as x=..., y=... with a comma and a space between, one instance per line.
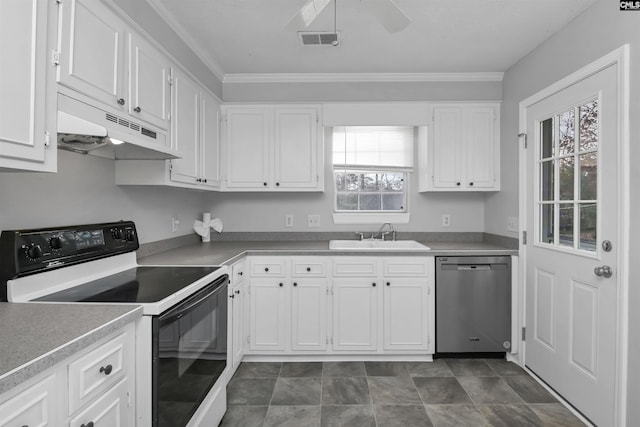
x=324, y=38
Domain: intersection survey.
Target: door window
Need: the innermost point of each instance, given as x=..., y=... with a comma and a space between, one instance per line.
x=568, y=178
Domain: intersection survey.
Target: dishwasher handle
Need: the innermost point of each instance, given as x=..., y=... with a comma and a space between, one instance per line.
x=473, y=267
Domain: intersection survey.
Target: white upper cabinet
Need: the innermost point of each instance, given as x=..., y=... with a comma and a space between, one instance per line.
x=296, y=148
x=195, y=137
x=101, y=58
x=149, y=82
x=461, y=151
x=273, y=148
x=247, y=145
x=27, y=87
x=195, y=133
x=92, y=52
x=184, y=132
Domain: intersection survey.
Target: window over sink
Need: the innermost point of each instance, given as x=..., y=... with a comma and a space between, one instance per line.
x=371, y=165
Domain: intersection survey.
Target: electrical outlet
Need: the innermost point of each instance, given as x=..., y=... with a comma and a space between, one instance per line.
x=513, y=224
x=174, y=224
x=288, y=220
x=446, y=220
x=313, y=221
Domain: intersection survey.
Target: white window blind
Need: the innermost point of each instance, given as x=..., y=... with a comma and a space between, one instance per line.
x=380, y=147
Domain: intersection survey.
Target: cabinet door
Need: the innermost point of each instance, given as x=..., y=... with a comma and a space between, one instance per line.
x=268, y=297
x=296, y=144
x=247, y=144
x=91, y=51
x=113, y=409
x=35, y=406
x=355, y=314
x=149, y=87
x=406, y=318
x=184, y=129
x=447, y=140
x=237, y=324
x=23, y=41
x=309, y=314
x=480, y=146
x=210, y=140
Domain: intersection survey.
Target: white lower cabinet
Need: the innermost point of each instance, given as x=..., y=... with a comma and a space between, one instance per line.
x=341, y=305
x=309, y=314
x=34, y=406
x=110, y=410
x=93, y=388
x=237, y=295
x=355, y=314
x=268, y=321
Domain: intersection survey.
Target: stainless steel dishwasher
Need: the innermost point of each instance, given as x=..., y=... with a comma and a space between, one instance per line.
x=473, y=304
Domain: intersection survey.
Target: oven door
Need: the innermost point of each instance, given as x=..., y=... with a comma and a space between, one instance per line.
x=189, y=353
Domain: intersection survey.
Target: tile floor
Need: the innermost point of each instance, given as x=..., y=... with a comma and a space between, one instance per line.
x=447, y=392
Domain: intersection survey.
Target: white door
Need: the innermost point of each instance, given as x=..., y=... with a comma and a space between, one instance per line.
x=210, y=139
x=247, y=144
x=184, y=129
x=406, y=319
x=268, y=322
x=91, y=51
x=447, y=140
x=149, y=87
x=480, y=146
x=355, y=314
x=309, y=314
x=572, y=211
x=296, y=140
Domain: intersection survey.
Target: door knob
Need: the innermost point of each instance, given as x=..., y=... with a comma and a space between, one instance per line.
x=603, y=271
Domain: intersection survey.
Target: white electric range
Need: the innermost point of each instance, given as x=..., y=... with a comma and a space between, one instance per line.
x=181, y=341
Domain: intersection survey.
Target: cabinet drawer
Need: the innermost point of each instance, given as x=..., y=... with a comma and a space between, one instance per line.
x=308, y=267
x=113, y=409
x=417, y=266
x=355, y=267
x=268, y=268
x=32, y=407
x=238, y=272
x=92, y=374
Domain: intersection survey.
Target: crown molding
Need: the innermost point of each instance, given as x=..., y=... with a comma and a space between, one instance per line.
x=362, y=77
x=193, y=44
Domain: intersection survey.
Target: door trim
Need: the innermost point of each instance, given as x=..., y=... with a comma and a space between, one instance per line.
x=619, y=57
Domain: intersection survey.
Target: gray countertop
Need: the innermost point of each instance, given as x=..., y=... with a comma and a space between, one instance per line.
x=225, y=252
x=35, y=336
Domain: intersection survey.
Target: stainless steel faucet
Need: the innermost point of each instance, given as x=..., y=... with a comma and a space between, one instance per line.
x=380, y=234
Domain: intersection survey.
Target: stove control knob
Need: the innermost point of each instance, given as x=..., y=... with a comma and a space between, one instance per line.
x=55, y=243
x=117, y=233
x=34, y=251
x=130, y=236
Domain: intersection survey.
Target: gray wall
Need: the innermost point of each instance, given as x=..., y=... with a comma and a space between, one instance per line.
x=369, y=91
x=84, y=191
x=147, y=18
x=596, y=32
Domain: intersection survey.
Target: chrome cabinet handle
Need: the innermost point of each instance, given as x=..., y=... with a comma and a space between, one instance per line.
x=603, y=271
x=137, y=109
x=121, y=101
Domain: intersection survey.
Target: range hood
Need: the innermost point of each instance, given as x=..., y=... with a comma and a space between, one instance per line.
x=83, y=128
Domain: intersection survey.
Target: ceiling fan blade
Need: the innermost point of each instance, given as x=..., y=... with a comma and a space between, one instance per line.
x=307, y=14
x=393, y=19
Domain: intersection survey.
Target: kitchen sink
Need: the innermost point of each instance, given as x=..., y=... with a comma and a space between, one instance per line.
x=377, y=245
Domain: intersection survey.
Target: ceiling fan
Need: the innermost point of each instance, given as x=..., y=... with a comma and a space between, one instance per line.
x=392, y=18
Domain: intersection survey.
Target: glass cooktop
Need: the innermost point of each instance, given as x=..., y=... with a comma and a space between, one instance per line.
x=137, y=285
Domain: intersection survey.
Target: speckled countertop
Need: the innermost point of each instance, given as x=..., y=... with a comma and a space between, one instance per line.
x=35, y=337
x=226, y=252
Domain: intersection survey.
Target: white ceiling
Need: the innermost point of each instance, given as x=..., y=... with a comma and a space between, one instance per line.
x=445, y=36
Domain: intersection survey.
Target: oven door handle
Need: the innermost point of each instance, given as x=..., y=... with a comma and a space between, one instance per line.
x=181, y=310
